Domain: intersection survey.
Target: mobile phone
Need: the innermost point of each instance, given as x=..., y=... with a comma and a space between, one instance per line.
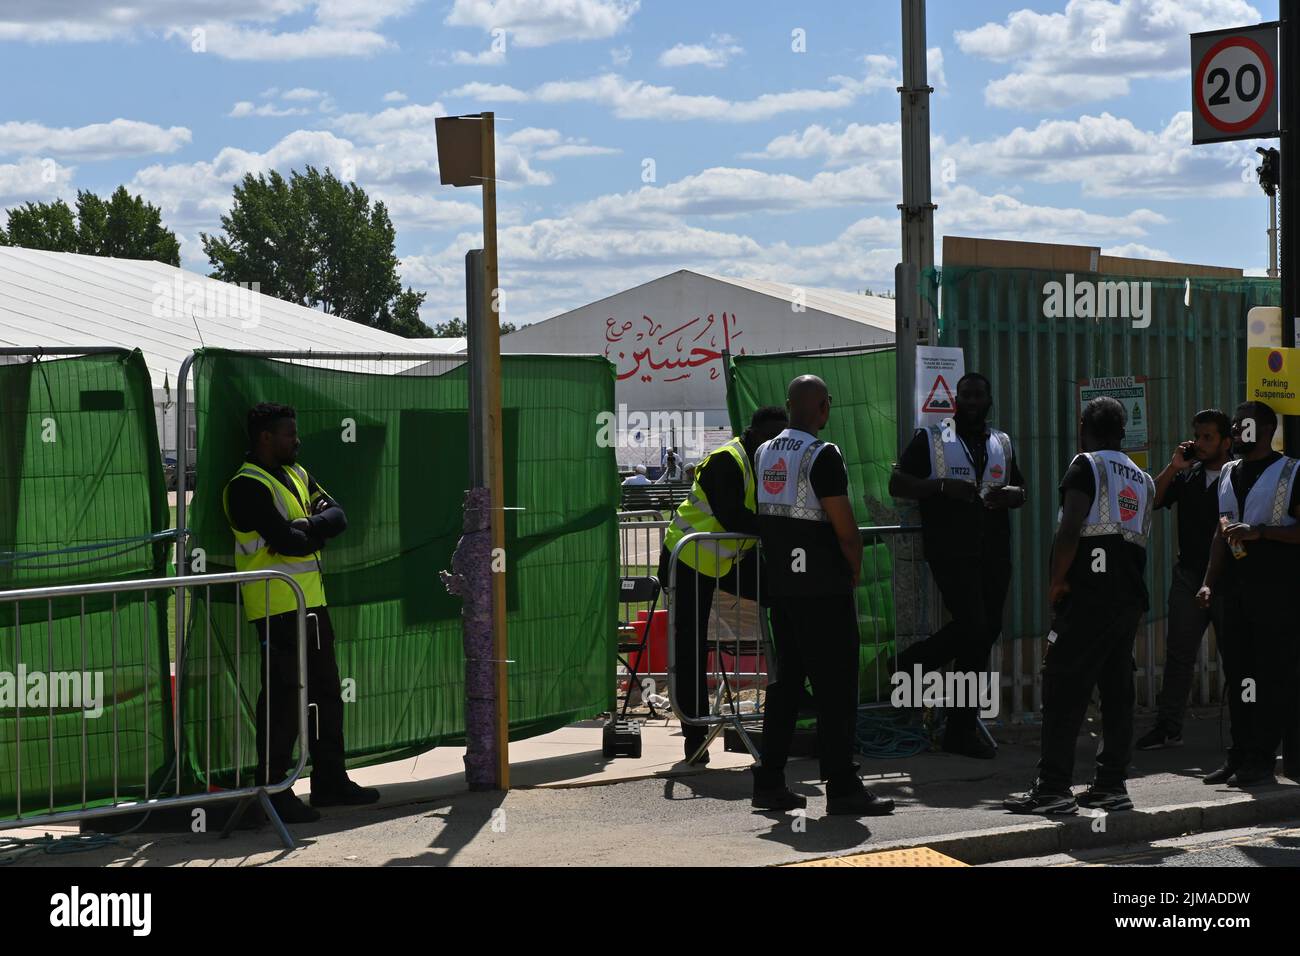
x=1188, y=448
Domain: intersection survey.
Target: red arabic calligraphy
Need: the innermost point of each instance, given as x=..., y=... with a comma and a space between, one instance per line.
x=675, y=350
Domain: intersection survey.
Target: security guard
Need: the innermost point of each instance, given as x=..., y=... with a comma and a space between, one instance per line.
x=1098, y=595
x=813, y=554
x=1191, y=482
x=966, y=477
x=721, y=499
x=281, y=519
x=1259, y=504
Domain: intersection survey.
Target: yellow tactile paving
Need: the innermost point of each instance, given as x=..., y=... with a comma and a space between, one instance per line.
x=913, y=856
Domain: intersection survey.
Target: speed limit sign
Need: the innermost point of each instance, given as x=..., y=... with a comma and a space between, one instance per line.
x=1234, y=84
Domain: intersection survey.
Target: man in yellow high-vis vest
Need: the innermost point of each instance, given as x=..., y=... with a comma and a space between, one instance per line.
x=722, y=498
x=281, y=519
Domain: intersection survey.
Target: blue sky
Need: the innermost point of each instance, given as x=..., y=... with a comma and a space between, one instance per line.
x=1054, y=120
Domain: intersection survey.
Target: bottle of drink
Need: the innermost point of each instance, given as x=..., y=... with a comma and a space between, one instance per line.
x=1238, y=549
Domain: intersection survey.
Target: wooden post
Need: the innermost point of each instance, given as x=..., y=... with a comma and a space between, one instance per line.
x=496, y=470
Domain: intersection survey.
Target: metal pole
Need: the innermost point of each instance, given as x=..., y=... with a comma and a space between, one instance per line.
x=1289, y=84
x=1272, y=236
x=917, y=209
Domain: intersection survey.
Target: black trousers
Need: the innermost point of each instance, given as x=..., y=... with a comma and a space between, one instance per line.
x=816, y=640
x=1093, y=648
x=692, y=604
x=1260, y=643
x=324, y=720
x=1186, y=628
x=974, y=592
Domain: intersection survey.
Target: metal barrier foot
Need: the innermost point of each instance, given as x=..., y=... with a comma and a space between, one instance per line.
x=276, y=822
x=712, y=736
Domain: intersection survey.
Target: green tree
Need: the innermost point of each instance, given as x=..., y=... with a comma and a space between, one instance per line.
x=319, y=242
x=124, y=226
x=456, y=329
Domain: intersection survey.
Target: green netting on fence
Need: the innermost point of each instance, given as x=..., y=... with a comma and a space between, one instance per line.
x=863, y=425
x=390, y=442
x=81, y=500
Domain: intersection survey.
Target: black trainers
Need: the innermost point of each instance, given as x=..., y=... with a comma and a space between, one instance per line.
x=292, y=810
x=1222, y=775
x=782, y=798
x=344, y=794
x=858, y=802
x=1254, y=775
x=1109, y=799
x=1159, y=738
x=1042, y=802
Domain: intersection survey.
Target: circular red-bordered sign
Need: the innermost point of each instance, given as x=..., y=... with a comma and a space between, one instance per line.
x=1269, y=82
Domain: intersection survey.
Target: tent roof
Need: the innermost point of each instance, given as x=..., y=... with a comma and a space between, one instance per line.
x=61, y=299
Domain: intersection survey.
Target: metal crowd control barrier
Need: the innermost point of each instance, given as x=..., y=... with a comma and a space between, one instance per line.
x=641, y=537
x=245, y=795
x=728, y=713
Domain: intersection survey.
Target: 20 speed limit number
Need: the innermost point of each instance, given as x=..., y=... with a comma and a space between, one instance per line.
x=1235, y=84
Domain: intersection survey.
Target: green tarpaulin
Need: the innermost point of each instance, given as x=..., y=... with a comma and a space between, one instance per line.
x=389, y=442
x=81, y=500
x=863, y=425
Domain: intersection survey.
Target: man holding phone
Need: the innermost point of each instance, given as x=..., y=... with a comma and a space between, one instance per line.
x=1190, y=481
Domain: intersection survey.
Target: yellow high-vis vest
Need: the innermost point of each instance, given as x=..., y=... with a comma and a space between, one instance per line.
x=253, y=553
x=713, y=558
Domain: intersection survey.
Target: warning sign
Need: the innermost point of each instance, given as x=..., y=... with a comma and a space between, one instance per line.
x=1273, y=377
x=1131, y=392
x=937, y=372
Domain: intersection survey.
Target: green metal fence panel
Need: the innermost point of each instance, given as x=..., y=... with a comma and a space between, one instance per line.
x=390, y=444
x=1192, y=353
x=85, y=698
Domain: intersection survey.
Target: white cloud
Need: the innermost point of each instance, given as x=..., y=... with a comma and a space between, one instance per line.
x=934, y=69
x=235, y=29
x=1136, y=250
x=242, y=43
x=244, y=108
x=533, y=23
x=856, y=143
x=621, y=56
x=549, y=144
x=194, y=195
x=485, y=58
x=965, y=211
x=716, y=54
x=574, y=150
x=634, y=99
x=1094, y=49
x=301, y=93
x=33, y=180
x=394, y=96
x=1109, y=156
x=1033, y=92
x=113, y=140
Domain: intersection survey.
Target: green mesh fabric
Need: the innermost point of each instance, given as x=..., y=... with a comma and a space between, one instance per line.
x=389, y=441
x=81, y=500
x=862, y=424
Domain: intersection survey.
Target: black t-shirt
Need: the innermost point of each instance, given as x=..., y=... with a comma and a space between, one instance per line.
x=1197, y=496
x=961, y=528
x=1124, y=580
x=1269, y=566
x=824, y=569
